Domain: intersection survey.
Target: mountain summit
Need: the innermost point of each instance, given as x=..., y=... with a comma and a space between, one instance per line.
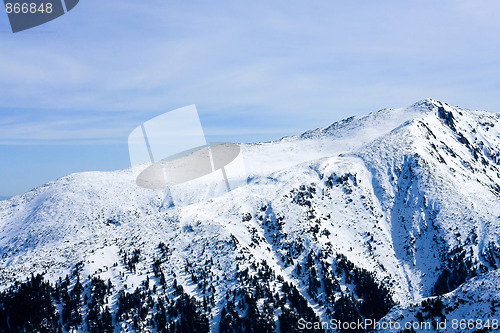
x=395, y=214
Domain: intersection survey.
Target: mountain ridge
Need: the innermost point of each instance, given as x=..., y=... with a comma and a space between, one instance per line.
x=400, y=203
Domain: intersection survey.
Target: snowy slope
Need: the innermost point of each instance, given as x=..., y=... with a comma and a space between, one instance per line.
x=471, y=307
x=401, y=193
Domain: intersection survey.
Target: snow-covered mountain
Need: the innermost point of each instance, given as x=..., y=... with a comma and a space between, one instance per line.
x=472, y=307
x=343, y=223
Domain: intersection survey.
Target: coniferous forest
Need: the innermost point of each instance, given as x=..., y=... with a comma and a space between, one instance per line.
x=95, y=305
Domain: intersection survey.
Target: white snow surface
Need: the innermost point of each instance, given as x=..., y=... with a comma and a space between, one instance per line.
x=471, y=307
x=412, y=190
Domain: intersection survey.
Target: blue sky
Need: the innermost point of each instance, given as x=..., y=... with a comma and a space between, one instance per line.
x=73, y=89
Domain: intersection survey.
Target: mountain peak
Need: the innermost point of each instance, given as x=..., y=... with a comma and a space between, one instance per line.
x=378, y=122
x=427, y=104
